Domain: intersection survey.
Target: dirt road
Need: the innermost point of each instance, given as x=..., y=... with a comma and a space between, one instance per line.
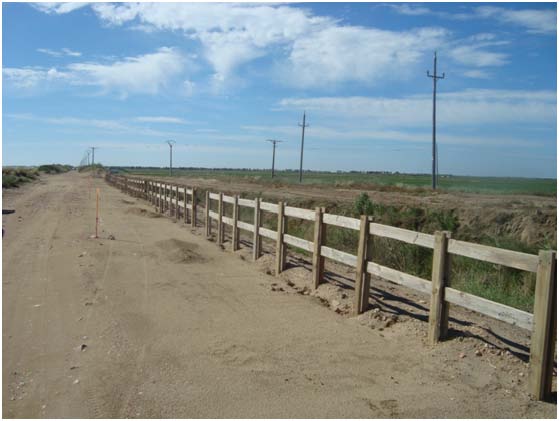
x=159, y=322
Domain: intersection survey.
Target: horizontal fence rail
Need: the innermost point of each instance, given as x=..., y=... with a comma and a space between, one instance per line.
x=174, y=200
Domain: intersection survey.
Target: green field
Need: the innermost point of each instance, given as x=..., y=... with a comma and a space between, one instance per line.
x=383, y=181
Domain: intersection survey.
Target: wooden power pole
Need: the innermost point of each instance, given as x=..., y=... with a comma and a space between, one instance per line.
x=435, y=78
x=302, y=146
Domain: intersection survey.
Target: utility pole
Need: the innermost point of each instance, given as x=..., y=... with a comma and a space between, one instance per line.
x=302, y=146
x=435, y=78
x=273, y=141
x=171, y=143
x=88, y=153
x=93, y=154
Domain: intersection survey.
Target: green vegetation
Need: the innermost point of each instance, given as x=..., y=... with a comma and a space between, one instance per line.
x=416, y=183
x=14, y=177
x=54, y=168
x=94, y=167
x=497, y=283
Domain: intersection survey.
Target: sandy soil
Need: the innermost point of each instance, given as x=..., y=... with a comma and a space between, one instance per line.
x=160, y=322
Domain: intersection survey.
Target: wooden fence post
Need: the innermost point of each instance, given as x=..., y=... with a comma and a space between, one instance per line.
x=160, y=198
x=220, y=233
x=193, y=214
x=208, y=220
x=280, y=246
x=177, y=209
x=317, y=259
x=362, y=278
x=438, y=311
x=185, y=204
x=235, y=244
x=544, y=329
x=163, y=198
x=256, y=235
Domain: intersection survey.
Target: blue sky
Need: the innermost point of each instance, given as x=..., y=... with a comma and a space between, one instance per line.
x=219, y=79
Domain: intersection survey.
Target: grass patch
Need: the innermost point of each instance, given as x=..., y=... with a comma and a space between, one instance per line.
x=413, y=183
x=54, y=168
x=15, y=177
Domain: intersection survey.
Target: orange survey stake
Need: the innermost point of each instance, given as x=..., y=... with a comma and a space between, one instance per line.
x=97, y=214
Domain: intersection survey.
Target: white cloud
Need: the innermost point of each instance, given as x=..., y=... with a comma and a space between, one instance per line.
x=406, y=9
x=339, y=54
x=371, y=134
x=477, y=74
x=59, y=53
x=58, y=8
x=535, y=21
x=126, y=126
x=234, y=34
x=464, y=108
x=231, y=34
x=161, y=119
x=144, y=74
x=31, y=77
x=474, y=55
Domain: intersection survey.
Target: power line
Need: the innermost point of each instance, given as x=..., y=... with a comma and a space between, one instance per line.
x=302, y=146
x=93, y=154
x=171, y=143
x=273, y=141
x=435, y=78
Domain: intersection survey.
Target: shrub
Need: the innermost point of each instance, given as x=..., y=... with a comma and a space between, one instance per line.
x=363, y=205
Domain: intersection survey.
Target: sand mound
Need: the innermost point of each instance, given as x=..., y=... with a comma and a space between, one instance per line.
x=178, y=251
x=143, y=212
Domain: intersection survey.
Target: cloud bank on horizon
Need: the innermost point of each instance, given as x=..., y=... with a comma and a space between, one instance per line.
x=221, y=78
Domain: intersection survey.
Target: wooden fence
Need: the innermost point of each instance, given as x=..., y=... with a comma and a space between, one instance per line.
x=175, y=199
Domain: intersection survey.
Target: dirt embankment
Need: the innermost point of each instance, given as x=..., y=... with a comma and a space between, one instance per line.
x=151, y=320
x=531, y=220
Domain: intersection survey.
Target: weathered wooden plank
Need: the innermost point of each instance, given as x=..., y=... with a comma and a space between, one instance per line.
x=245, y=226
x=513, y=259
x=214, y=196
x=317, y=259
x=265, y=232
x=298, y=242
x=280, y=246
x=207, y=211
x=400, y=278
x=235, y=242
x=401, y=234
x=439, y=280
x=246, y=203
x=228, y=199
x=193, y=215
x=299, y=213
x=269, y=207
x=177, y=212
x=220, y=230
x=489, y=308
x=341, y=221
x=361, y=285
x=227, y=220
x=256, y=235
x=544, y=325
x=338, y=256
x=213, y=215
